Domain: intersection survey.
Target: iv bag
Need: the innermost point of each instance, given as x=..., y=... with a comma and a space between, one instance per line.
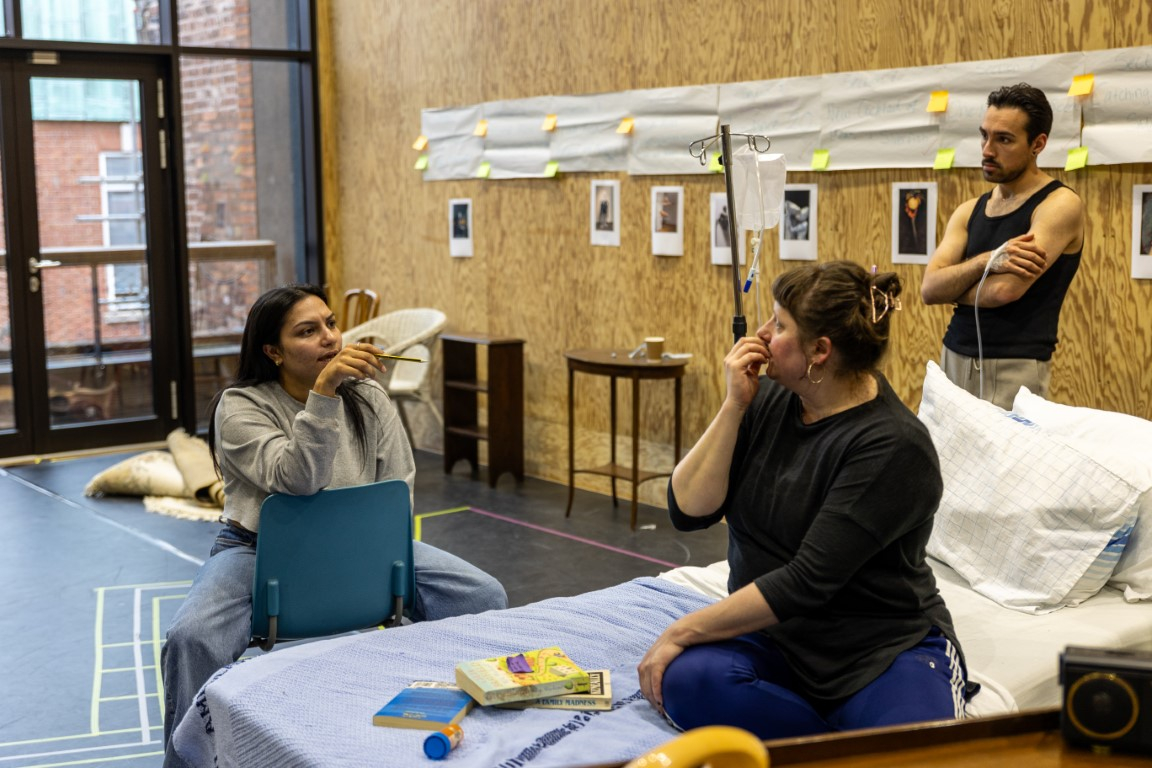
x=758, y=186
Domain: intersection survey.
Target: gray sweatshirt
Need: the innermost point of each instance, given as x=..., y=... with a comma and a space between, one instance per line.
x=269, y=442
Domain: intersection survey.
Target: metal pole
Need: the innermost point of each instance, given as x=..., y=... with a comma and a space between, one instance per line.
x=739, y=324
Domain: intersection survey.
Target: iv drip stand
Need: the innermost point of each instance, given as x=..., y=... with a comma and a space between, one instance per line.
x=739, y=323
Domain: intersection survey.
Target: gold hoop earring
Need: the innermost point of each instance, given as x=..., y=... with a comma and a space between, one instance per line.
x=809, y=374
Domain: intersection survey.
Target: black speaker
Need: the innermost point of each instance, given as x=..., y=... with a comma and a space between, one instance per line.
x=1107, y=699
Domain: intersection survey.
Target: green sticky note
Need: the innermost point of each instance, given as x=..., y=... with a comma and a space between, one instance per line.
x=820, y=160
x=484, y=169
x=714, y=164
x=1077, y=159
x=944, y=158
x=422, y=163
x=551, y=169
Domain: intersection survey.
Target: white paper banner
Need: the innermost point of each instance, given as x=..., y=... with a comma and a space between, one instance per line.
x=879, y=119
x=453, y=152
x=585, y=138
x=516, y=145
x=786, y=111
x=1118, y=113
x=665, y=122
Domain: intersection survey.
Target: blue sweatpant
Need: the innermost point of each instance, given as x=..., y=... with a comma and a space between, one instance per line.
x=746, y=682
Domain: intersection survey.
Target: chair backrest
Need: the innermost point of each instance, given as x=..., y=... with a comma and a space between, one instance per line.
x=360, y=306
x=399, y=329
x=335, y=561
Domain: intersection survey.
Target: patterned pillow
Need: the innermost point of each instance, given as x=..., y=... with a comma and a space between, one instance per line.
x=1029, y=521
x=1119, y=441
x=152, y=473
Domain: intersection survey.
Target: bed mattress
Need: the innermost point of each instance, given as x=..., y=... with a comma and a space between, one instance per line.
x=1014, y=656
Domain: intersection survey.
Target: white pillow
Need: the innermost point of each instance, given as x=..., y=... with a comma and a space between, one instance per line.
x=1123, y=443
x=1029, y=521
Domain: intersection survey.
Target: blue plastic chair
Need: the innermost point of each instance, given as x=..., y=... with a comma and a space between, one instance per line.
x=337, y=561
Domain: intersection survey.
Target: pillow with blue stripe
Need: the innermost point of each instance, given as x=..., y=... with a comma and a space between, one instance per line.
x=1030, y=521
x=1123, y=443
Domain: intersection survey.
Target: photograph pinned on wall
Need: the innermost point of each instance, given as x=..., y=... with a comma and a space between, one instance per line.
x=460, y=227
x=721, y=234
x=667, y=221
x=605, y=216
x=1142, y=231
x=913, y=222
x=798, y=223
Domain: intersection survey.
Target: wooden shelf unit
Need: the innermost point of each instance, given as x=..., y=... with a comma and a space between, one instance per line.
x=504, y=391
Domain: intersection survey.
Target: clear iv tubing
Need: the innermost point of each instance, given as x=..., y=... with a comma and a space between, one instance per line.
x=976, y=317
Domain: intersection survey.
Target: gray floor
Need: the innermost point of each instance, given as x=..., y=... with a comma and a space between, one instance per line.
x=92, y=583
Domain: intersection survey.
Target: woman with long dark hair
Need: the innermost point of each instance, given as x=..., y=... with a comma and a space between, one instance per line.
x=304, y=414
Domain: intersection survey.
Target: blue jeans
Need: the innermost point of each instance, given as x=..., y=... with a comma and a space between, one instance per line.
x=211, y=628
x=746, y=682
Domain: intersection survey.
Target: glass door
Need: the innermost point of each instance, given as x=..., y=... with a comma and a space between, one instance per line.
x=92, y=224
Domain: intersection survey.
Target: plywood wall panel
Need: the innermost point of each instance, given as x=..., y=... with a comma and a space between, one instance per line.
x=536, y=276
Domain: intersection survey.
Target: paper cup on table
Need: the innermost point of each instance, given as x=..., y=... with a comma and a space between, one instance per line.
x=654, y=347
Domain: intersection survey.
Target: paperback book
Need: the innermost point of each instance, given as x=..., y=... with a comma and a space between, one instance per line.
x=599, y=696
x=425, y=705
x=523, y=676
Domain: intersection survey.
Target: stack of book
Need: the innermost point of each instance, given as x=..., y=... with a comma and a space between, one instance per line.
x=544, y=678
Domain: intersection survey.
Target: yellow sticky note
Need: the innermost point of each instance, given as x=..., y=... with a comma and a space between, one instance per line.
x=420, y=143
x=625, y=126
x=938, y=101
x=549, y=123
x=714, y=164
x=484, y=169
x=1082, y=85
x=422, y=163
x=1077, y=159
x=551, y=169
x=481, y=128
x=820, y=160
x=944, y=158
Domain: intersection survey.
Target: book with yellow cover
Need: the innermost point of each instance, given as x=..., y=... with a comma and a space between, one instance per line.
x=599, y=696
x=522, y=676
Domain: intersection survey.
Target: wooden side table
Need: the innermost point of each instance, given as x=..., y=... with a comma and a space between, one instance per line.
x=616, y=364
x=504, y=389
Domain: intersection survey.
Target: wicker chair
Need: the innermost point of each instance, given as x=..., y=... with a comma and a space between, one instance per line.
x=412, y=333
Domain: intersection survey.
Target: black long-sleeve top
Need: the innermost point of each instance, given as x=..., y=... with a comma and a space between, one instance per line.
x=830, y=520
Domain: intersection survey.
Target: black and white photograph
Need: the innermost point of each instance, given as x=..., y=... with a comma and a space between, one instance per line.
x=1142, y=231
x=721, y=234
x=798, y=223
x=913, y=222
x=605, y=214
x=460, y=227
x=667, y=221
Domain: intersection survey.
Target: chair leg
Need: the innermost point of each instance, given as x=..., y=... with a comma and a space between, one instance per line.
x=427, y=400
x=404, y=421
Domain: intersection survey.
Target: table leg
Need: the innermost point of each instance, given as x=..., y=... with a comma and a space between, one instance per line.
x=676, y=418
x=635, y=445
x=615, y=503
x=571, y=440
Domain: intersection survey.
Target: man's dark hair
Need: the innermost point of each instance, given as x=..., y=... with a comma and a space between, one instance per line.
x=1029, y=100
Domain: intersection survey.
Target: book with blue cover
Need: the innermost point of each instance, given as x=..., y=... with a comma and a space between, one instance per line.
x=425, y=705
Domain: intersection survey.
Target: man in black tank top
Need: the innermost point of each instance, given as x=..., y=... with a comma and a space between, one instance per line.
x=1007, y=257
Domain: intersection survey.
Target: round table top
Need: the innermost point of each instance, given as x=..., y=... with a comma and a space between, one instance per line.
x=609, y=359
